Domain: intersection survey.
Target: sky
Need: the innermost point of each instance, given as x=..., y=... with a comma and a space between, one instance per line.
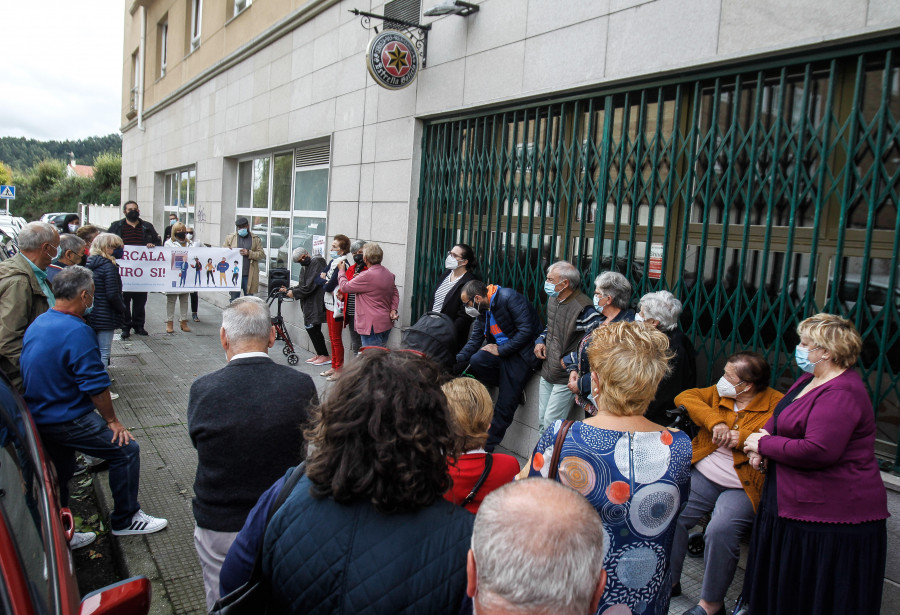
x=61, y=69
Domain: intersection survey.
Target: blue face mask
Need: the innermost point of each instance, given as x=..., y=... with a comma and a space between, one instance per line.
x=333, y=254
x=88, y=309
x=550, y=289
x=597, y=305
x=801, y=356
x=118, y=253
x=243, y=232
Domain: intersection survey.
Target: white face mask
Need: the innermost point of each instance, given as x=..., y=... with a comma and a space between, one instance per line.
x=190, y=236
x=726, y=389
x=73, y=228
x=638, y=318
x=450, y=262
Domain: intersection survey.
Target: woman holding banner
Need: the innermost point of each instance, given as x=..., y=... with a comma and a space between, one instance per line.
x=177, y=239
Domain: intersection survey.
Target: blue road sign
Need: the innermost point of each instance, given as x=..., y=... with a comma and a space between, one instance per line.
x=7, y=192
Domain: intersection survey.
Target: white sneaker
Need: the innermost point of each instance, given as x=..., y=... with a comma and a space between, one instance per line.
x=142, y=523
x=82, y=539
x=113, y=395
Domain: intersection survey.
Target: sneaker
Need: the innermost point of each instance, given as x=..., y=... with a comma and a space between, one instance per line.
x=80, y=469
x=313, y=358
x=195, y=317
x=113, y=395
x=141, y=331
x=322, y=361
x=82, y=539
x=141, y=523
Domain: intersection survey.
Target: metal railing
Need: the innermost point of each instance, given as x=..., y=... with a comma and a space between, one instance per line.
x=759, y=196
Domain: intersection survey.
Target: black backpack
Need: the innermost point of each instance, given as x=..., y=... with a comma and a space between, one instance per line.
x=434, y=336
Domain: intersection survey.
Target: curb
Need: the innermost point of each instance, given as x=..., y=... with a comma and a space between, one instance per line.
x=132, y=553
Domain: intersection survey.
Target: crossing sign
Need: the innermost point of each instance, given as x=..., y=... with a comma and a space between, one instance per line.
x=7, y=192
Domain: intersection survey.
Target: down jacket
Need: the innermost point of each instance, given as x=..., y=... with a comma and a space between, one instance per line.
x=321, y=557
x=109, y=306
x=516, y=318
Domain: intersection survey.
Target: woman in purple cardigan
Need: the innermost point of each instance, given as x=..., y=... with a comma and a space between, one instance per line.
x=819, y=542
x=377, y=298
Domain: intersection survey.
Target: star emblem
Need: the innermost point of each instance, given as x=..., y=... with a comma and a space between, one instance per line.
x=398, y=58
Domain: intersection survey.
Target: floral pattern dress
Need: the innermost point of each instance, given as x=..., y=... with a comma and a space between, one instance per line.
x=638, y=482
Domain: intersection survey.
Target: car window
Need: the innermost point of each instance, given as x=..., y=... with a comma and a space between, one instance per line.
x=23, y=503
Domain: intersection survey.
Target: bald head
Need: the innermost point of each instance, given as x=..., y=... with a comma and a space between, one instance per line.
x=548, y=528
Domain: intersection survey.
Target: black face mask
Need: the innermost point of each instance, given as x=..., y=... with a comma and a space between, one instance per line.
x=358, y=259
x=305, y=261
x=180, y=236
x=132, y=215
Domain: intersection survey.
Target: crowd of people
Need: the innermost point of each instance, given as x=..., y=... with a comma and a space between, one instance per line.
x=387, y=495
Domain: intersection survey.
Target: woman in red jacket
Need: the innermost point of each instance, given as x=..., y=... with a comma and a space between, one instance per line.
x=820, y=540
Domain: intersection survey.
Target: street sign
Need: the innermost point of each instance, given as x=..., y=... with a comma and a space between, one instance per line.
x=7, y=192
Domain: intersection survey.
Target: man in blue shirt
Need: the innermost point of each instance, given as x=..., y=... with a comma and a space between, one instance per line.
x=65, y=381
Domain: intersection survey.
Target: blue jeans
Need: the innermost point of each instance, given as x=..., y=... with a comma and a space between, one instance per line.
x=235, y=295
x=104, y=341
x=375, y=339
x=90, y=435
x=510, y=375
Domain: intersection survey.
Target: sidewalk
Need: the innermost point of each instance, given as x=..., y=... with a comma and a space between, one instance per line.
x=153, y=376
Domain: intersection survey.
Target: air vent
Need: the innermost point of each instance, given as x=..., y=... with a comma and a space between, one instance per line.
x=404, y=10
x=312, y=156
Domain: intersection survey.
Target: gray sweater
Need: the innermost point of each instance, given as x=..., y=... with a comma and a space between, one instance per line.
x=245, y=422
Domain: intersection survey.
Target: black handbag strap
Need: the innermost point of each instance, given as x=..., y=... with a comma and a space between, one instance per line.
x=488, y=462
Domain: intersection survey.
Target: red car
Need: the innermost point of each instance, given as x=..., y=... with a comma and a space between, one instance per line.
x=36, y=565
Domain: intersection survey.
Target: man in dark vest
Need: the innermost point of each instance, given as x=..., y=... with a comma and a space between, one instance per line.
x=135, y=232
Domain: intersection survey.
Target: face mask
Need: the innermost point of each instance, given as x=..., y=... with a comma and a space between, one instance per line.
x=73, y=228
x=450, y=262
x=118, y=252
x=638, y=318
x=597, y=304
x=550, y=289
x=132, y=215
x=88, y=308
x=358, y=259
x=333, y=254
x=726, y=389
x=55, y=252
x=305, y=261
x=801, y=356
x=172, y=222
x=472, y=311
x=180, y=235
x=190, y=235
x=243, y=232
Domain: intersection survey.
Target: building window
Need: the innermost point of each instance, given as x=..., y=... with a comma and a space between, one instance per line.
x=195, y=19
x=180, y=195
x=162, y=42
x=285, y=197
x=239, y=6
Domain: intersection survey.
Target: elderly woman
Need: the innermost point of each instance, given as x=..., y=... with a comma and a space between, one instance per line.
x=460, y=267
x=636, y=474
x=475, y=473
x=722, y=481
x=368, y=519
x=612, y=294
x=662, y=311
x=377, y=298
x=311, y=296
x=357, y=266
x=819, y=541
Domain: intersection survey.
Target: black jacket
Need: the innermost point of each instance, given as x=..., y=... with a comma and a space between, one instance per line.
x=109, y=307
x=682, y=377
x=518, y=320
x=150, y=234
x=454, y=308
x=310, y=293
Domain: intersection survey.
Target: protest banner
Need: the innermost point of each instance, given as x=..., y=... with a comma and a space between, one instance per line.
x=190, y=269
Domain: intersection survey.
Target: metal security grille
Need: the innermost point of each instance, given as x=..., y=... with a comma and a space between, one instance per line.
x=758, y=196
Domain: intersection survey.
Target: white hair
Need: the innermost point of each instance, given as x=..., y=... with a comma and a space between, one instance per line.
x=246, y=319
x=615, y=285
x=548, y=529
x=69, y=242
x=35, y=234
x=71, y=281
x=298, y=253
x=663, y=306
x=566, y=271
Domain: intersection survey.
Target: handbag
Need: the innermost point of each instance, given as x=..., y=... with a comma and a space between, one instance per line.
x=557, y=449
x=253, y=597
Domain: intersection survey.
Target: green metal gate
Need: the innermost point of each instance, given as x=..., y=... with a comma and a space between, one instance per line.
x=759, y=196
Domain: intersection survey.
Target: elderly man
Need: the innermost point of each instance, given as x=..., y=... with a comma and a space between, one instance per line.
x=25, y=292
x=135, y=232
x=245, y=422
x=251, y=249
x=500, y=350
x=65, y=381
x=71, y=250
x=570, y=314
x=550, y=531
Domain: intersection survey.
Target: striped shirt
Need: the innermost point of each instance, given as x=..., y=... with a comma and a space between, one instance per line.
x=133, y=235
x=442, y=291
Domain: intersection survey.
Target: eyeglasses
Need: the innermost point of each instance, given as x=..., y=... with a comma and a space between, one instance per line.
x=365, y=348
x=456, y=256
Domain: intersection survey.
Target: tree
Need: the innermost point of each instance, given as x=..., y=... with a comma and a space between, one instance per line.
x=6, y=175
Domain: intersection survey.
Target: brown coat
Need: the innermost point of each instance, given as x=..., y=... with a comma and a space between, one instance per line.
x=256, y=255
x=707, y=410
x=21, y=301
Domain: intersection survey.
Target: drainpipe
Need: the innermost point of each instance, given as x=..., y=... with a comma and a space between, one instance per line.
x=140, y=88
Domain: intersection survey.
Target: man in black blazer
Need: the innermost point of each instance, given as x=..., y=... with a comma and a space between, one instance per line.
x=245, y=422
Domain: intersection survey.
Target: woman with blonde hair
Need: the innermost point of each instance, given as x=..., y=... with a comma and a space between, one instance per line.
x=819, y=544
x=109, y=311
x=178, y=239
x=636, y=474
x=475, y=473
